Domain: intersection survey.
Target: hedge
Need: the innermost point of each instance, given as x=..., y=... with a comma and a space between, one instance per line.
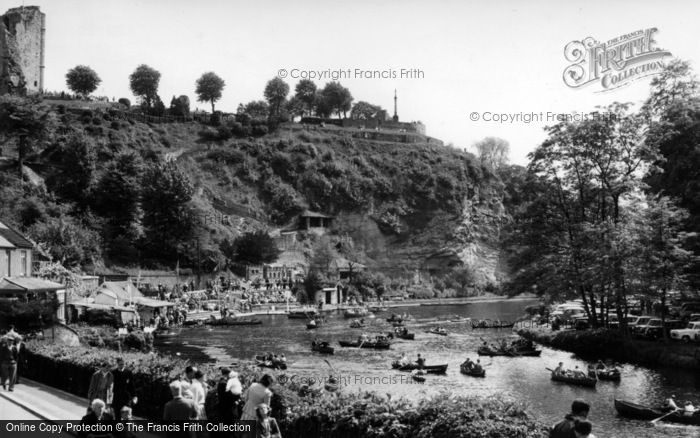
x=300, y=410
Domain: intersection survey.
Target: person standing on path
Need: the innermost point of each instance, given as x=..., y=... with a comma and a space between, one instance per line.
x=8, y=363
x=102, y=385
x=257, y=394
x=124, y=392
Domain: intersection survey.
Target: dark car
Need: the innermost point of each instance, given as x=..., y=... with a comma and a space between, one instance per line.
x=581, y=324
x=656, y=331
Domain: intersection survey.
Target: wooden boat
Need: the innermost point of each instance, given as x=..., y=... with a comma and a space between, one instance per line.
x=397, y=324
x=640, y=412
x=397, y=318
x=357, y=312
x=486, y=351
x=356, y=324
x=302, y=314
x=275, y=365
x=310, y=326
x=406, y=336
x=430, y=369
x=193, y=322
x=471, y=372
x=322, y=347
x=378, y=309
x=611, y=374
x=233, y=321
x=487, y=323
x=377, y=345
x=442, y=332
x=574, y=380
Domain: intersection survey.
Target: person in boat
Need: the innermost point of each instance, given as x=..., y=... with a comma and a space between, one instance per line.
x=403, y=361
x=420, y=361
x=469, y=364
x=559, y=369
x=688, y=409
x=312, y=322
x=583, y=429
x=670, y=403
x=283, y=359
x=578, y=373
x=477, y=366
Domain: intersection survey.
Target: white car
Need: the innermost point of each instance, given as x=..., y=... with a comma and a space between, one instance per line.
x=687, y=334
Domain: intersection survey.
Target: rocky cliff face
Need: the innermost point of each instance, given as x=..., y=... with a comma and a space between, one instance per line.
x=471, y=239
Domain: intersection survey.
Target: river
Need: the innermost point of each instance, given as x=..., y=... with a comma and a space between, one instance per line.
x=524, y=379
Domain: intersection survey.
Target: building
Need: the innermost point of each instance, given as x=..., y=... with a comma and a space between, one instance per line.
x=22, y=46
x=344, y=268
x=16, y=281
x=330, y=295
x=120, y=295
x=315, y=222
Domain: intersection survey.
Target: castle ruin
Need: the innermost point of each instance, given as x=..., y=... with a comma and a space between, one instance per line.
x=22, y=51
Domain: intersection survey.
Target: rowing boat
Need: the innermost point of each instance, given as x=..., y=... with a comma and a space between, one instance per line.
x=575, y=380
x=232, y=321
x=442, y=332
x=431, y=369
x=322, y=347
x=471, y=371
x=640, y=412
x=486, y=351
x=377, y=345
x=611, y=374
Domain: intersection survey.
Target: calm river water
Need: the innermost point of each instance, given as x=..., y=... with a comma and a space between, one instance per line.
x=524, y=379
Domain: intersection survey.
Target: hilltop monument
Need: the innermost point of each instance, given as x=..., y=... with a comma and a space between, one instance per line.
x=396, y=115
x=22, y=31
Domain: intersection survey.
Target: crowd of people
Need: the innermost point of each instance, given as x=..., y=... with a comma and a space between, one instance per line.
x=112, y=395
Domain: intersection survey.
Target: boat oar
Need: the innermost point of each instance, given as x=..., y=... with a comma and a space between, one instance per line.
x=664, y=416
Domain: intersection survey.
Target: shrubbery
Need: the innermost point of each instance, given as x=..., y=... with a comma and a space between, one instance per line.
x=300, y=411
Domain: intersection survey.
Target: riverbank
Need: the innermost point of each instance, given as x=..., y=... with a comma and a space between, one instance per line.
x=281, y=309
x=309, y=411
x=608, y=344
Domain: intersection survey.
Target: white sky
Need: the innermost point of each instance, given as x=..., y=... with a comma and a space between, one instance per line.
x=497, y=56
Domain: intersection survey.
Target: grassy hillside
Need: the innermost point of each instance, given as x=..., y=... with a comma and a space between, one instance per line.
x=400, y=203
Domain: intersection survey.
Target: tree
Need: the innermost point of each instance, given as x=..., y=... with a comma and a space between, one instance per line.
x=144, y=83
x=338, y=98
x=116, y=199
x=82, y=80
x=364, y=110
x=256, y=109
x=313, y=282
x=675, y=83
x=168, y=218
x=254, y=248
x=295, y=107
x=67, y=241
x=492, y=152
x=322, y=256
x=322, y=105
x=28, y=119
x=276, y=92
x=74, y=177
x=305, y=92
x=180, y=106
x=209, y=88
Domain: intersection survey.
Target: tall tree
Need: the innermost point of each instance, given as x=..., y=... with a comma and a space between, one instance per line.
x=74, y=177
x=276, y=92
x=82, y=79
x=180, y=106
x=338, y=98
x=256, y=109
x=364, y=110
x=168, y=217
x=144, y=83
x=209, y=88
x=254, y=248
x=305, y=91
x=492, y=152
x=28, y=119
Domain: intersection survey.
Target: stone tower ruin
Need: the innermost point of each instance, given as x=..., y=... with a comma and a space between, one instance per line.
x=22, y=32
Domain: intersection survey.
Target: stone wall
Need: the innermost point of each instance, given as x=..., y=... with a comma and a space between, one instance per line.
x=22, y=51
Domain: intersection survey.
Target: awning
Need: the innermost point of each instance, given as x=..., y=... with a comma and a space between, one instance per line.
x=150, y=302
x=101, y=306
x=28, y=284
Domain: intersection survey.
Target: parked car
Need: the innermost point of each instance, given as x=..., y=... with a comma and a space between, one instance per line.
x=639, y=322
x=694, y=317
x=581, y=324
x=656, y=331
x=687, y=334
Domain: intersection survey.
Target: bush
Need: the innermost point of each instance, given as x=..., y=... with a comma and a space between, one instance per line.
x=224, y=133
x=259, y=130
x=126, y=102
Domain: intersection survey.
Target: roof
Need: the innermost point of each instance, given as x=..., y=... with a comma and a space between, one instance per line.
x=309, y=213
x=87, y=305
x=124, y=291
x=18, y=284
x=150, y=302
x=9, y=238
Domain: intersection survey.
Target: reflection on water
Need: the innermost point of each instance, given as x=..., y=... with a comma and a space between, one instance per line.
x=524, y=379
